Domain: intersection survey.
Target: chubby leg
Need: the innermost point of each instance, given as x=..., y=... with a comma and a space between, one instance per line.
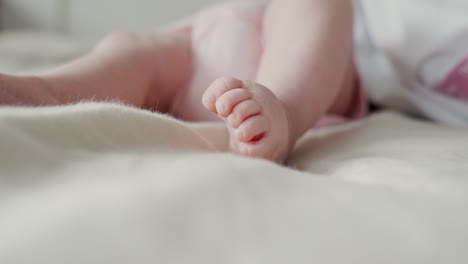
x=304, y=73
x=140, y=70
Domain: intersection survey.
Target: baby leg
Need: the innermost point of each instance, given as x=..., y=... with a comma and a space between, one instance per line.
x=139, y=70
x=306, y=54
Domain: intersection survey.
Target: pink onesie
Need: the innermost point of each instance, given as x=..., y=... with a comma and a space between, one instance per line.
x=227, y=41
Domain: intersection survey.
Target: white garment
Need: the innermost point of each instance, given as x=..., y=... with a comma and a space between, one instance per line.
x=396, y=40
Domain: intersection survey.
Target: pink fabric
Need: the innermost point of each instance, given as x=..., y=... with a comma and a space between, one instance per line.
x=456, y=83
x=227, y=41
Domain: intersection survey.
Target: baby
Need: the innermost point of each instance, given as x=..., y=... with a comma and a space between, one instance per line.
x=295, y=69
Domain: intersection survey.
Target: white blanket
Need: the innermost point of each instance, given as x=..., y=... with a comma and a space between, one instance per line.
x=97, y=183
x=398, y=42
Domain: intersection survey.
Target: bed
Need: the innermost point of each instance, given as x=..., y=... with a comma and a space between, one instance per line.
x=105, y=183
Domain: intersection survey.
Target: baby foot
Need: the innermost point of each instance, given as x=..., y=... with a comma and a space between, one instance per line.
x=257, y=121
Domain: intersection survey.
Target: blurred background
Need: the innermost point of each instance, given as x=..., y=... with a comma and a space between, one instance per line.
x=36, y=35
x=94, y=17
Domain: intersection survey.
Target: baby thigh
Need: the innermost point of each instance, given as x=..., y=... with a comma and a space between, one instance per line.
x=226, y=41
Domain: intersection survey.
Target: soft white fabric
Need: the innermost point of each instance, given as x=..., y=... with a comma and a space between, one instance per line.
x=96, y=183
x=400, y=47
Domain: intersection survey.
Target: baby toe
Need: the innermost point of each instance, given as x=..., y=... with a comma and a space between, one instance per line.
x=242, y=112
x=229, y=100
x=253, y=150
x=253, y=129
x=218, y=88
